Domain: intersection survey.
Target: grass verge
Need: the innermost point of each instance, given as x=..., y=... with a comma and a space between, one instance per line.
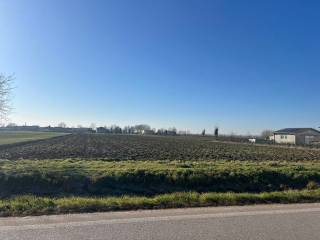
x=32, y=205
x=96, y=177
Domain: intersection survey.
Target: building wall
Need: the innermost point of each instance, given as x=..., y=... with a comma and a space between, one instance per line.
x=285, y=138
x=307, y=137
x=271, y=138
x=300, y=139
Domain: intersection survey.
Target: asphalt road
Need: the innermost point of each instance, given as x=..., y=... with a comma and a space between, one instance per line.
x=300, y=222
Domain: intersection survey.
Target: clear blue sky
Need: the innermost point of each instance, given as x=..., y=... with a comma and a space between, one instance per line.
x=242, y=65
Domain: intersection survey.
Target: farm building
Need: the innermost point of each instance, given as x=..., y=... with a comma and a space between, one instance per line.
x=148, y=132
x=297, y=136
x=102, y=130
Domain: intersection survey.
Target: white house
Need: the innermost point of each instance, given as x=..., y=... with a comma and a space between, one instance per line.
x=270, y=138
x=297, y=136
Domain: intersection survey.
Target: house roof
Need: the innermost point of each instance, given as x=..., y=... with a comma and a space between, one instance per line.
x=295, y=130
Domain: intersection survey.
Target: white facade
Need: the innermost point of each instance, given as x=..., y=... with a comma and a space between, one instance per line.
x=285, y=138
x=270, y=138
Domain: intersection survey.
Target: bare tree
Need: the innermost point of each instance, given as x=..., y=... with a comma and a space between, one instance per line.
x=266, y=133
x=10, y=125
x=173, y=130
x=5, y=95
x=142, y=127
x=93, y=126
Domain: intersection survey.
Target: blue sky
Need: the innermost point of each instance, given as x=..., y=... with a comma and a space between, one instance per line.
x=242, y=65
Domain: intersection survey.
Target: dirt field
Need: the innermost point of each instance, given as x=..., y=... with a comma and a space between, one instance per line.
x=129, y=147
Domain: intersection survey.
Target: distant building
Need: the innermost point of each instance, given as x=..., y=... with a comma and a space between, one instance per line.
x=297, y=136
x=103, y=130
x=21, y=128
x=171, y=133
x=148, y=132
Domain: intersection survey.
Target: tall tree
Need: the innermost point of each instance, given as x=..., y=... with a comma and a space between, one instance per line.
x=62, y=125
x=203, y=132
x=216, y=132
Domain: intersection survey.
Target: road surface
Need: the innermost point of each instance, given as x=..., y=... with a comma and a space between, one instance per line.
x=285, y=222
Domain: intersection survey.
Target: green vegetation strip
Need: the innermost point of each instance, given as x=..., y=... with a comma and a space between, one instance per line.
x=11, y=137
x=31, y=205
x=116, y=178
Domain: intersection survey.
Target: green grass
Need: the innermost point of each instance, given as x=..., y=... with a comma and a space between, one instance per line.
x=10, y=137
x=115, y=178
x=32, y=205
x=35, y=187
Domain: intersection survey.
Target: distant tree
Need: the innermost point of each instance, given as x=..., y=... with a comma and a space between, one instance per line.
x=62, y=125
x=266, y=133
x=182, y=132
x=171, y=131
x=142, y=127
x=126, y=130
x=115, y=129
x=11, y=125
x=132, y=130
x=112, y=128
x=5, y=95
x=160, y=131
x=216, y=132
x=203, y=132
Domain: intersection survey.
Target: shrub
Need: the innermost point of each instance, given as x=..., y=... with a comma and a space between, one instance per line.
x=312, y=185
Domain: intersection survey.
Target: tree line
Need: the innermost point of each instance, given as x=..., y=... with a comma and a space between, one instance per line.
x=136, y=129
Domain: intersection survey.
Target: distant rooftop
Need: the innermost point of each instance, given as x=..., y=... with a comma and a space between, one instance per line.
x=295, y=130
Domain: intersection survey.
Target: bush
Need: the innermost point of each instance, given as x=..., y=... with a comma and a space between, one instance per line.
x=312, y=185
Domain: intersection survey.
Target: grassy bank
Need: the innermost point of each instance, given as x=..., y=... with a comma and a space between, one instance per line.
x=116, y=178
x=31, y=205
